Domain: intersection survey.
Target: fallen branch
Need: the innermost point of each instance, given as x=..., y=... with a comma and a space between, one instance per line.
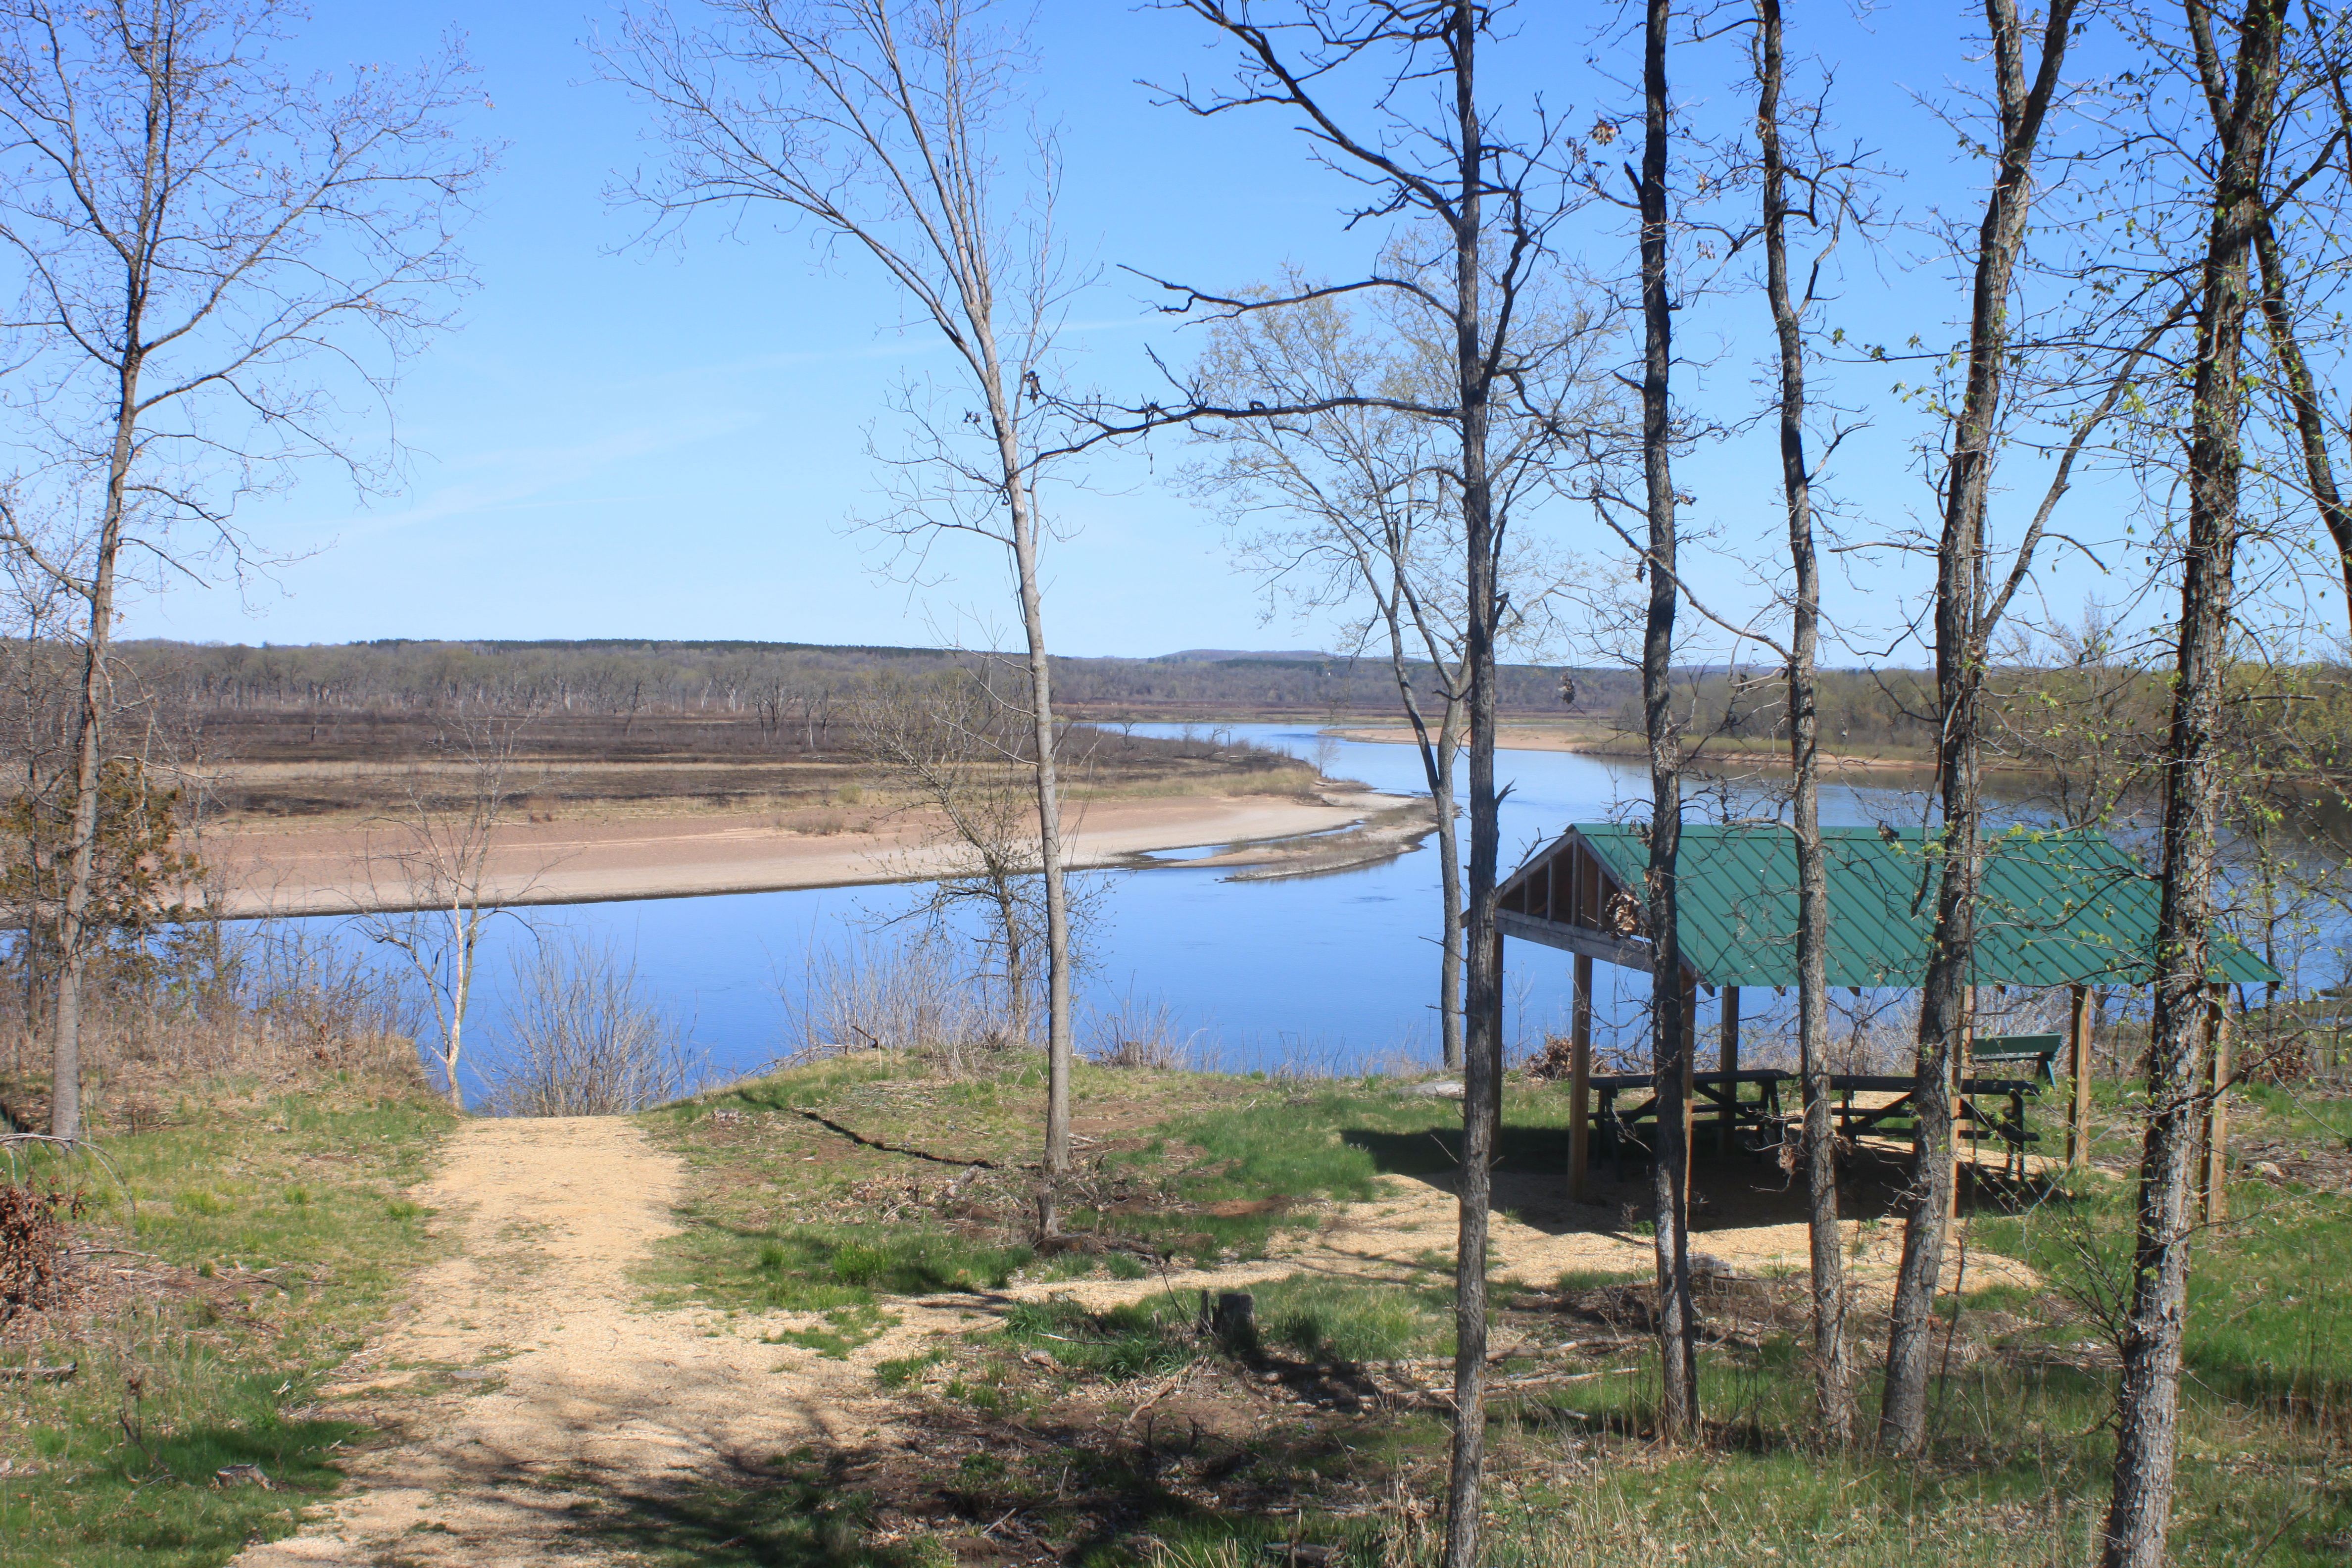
x=856, y=1137
x=10, y=1141
x=1166, y=1388
x=38, y=1373
x=1533, y=1378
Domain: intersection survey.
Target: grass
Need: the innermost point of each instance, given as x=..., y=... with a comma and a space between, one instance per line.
x=746, y=1243
x=790, y=1215
x=839, y=1331
x=1143, y=1339
x=1205, y=1167
x=1322, y=1317
x=2020, y=1460
x=270, y=1234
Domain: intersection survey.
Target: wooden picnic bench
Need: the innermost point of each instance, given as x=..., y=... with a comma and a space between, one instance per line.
x=1970, y=1119
x=1759, y=1127
x=1758, y=1119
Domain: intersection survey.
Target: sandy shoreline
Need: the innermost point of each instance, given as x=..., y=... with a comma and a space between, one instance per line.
x=310, y=871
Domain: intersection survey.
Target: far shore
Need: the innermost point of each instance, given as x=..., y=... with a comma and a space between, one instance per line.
x=300, y=870
x=1594, y=743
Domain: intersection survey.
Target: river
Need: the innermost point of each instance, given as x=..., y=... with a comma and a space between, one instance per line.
x=1334, y=973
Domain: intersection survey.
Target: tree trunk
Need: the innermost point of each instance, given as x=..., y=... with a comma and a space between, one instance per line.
x=1482, y=999
x=89, y=761
x=1016, y=958
x=464, y=925
x=1961, y=640
x=1021, y=504
x=1671, y=1043
x=2147, y=1402
x=1437, y=755
x=1449, y=870
x=1832, y=1358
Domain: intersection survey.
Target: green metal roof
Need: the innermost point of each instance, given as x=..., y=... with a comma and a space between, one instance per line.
x=2053, y=907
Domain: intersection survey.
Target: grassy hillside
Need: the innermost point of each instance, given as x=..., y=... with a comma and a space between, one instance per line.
x=235, y=1244
x=1077, y=1427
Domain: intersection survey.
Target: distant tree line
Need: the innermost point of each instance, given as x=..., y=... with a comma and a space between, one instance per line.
x=2088, y=718
x=1858, y=708
x=776, y=688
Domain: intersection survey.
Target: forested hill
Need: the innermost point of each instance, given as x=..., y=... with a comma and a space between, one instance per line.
x=786, y=679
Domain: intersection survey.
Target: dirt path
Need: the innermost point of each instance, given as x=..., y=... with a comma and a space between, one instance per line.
x=529, y=1387
x=1540, y=1238
x=564, y=1393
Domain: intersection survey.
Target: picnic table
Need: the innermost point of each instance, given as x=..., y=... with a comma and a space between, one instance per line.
x=1970, y=1119
x=1759, y=1119
x=1979, y=1111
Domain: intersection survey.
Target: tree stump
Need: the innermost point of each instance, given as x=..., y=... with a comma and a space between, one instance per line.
x=1231, y=1319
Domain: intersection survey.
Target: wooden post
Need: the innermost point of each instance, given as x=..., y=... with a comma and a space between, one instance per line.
x=1959, y=1078
x=1690, y=1065
x=1580, y=1080
x=1728, y=1055
x=2214, y=1161
x=1497, y=1076
x=2078, y=1090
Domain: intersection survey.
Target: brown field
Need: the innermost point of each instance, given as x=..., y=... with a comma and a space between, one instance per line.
x=254, y=768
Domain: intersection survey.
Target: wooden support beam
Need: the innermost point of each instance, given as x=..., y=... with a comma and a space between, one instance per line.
x=1598, y=944
x=1579, y=1081
x=1728, y=1055
x=1960, y=1075
x=2078, y=1088
x=1690, y=1065
x=2213, y=1137
x=1495, y=1079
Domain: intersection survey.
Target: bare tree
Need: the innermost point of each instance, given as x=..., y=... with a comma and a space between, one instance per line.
x=1480, y=205
x=1670, y=1017
x=883, y=124
x=37, y=741
x=950, y=743
x=1364, y=516
x=1821, y=206
x=432, y=891
x=584, y=1040
x=204, y=247
x=1966, y=616
x=2242, y=98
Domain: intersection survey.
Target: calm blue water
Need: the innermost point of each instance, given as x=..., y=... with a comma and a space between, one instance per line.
x=1334, y=972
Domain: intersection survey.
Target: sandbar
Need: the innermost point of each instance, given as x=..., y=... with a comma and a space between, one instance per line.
x=346, y=870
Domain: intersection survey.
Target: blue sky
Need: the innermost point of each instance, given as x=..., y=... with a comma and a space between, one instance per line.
x=624, y=440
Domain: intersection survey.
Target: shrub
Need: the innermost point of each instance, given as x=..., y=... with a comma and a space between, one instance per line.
x=585, y=1042
x=35, y=1266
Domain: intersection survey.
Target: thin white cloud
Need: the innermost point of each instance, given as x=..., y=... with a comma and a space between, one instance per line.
x=508, y=478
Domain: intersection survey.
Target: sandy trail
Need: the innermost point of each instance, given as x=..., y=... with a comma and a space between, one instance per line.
x=570, y=1392
x=1411, y=1224
x=586, y=1396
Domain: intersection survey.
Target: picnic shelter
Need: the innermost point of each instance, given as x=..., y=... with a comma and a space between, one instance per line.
x=2054, y=908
